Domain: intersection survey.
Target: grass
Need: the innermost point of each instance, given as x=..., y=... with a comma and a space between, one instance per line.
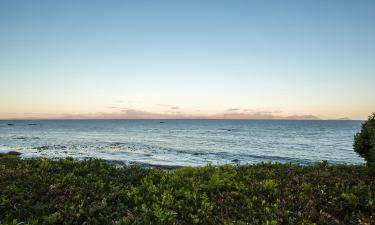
x=42, y=191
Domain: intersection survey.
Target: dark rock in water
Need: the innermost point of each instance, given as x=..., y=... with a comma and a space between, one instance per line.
x=12, y=153
x=20, y=138
x=154, y=166
x=115, y=144
x=162, y=167
x=161, y=122
x=236, y=160
x=10, y=124
x=32, y=124
x=25, y=138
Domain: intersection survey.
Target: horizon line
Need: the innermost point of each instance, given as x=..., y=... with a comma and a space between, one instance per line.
x=265, y=119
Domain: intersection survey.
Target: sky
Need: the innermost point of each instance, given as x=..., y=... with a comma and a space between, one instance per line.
x=187, y=59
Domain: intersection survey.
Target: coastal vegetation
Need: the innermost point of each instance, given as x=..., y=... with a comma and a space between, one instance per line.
x=42, y=191
x=364, y=141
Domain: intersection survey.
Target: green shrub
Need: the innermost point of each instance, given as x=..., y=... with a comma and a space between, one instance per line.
x=364, y=141
x=40, y=191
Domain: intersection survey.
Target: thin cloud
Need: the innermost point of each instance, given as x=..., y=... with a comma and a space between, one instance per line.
x=235, y=115
x=233, y=109
x=163, y=105
x=266, y=112
x=262, y=111
x=174, y=112
x=173, y=107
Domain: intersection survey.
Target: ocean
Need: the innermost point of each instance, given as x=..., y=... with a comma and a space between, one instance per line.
x=184, y=142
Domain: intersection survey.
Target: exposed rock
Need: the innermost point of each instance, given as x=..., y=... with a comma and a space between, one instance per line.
x=14, y=153
x=10, y=153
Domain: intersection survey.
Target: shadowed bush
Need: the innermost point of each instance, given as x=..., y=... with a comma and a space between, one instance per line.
x=364, y=141
x=93, y=192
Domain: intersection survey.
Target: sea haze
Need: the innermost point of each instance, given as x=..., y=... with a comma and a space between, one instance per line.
x=184, y=142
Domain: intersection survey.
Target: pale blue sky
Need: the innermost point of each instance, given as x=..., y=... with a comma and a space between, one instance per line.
x=109, y=58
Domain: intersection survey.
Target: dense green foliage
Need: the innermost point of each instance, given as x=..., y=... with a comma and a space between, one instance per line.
x=364, y=141
x=94, y=192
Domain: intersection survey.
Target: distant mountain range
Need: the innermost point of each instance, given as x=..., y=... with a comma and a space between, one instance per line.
x=344, y=118
x=302, y=117
x=146, y=115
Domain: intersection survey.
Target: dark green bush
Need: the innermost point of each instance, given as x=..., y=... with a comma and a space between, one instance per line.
x=93, y=192
x=364, y=141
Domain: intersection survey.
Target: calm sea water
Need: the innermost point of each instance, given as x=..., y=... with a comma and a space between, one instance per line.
x=184, y=142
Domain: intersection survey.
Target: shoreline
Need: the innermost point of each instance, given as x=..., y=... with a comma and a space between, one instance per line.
x=126, y=163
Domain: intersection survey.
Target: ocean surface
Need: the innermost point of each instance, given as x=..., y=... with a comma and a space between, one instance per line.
x=184, y=142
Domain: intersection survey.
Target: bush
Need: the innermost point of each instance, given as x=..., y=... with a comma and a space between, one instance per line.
x=364, y=141
x=41, y=191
